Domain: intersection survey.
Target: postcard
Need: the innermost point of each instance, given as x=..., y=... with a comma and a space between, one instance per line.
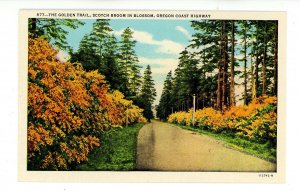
x=152, y=96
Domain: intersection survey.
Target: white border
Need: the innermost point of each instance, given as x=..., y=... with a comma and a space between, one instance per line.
x=153, y=176
x=9, y=90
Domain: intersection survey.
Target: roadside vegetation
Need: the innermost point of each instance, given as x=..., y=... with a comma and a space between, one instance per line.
x=251, y=128
x=76, y=100
x=117, y=152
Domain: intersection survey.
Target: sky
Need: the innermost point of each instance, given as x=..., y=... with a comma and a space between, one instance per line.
x=159, y=43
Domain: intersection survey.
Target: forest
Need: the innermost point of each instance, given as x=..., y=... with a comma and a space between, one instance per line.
x=221, y=56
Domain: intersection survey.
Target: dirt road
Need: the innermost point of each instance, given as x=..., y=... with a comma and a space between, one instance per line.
x=165, y=147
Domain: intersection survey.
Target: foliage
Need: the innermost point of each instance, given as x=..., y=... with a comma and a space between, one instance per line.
x=118, y=62
x=129, y=62
x=166, y=102
x=53, y=29
x=256, y=122
x=118, y=150
x=99, y=50
x=127, y=108
x=147, y=94
x=221, y=55
x=68, y=109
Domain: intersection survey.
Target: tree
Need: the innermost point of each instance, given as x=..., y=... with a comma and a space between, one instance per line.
x=190, y=77
x=264, y=50
x=224, y=60
x=95, y=46
x=53, y=29
x=111, y=68
x=165, y=107
x=264, y=61
x=222, y=90
x=99, y=37
x=147, y=94
x=275, y=49
x=211, y=41
x=129, y=64
x=176, y=84
x=178, y=91
x=205, y=45
x=257, y=61
x=232, y=65
x=86, y=54
x=99, y=50
x=244, y=33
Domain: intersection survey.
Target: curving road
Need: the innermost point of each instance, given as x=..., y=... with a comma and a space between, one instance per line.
x=164, y=147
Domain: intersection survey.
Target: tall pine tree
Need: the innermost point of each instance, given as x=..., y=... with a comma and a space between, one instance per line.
x=129, y=64
x=166, y=105
x=147, y=94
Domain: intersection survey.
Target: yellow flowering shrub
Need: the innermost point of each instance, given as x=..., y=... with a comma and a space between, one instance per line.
x=256, y=121
x=67, y=109
x=127, y=109
x=180, y=117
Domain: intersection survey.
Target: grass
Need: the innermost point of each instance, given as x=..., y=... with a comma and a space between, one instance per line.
x=117, y=151
x=264, y=151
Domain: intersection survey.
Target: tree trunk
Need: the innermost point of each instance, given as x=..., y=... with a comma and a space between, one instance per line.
x=232, y=89
x=225, y=70
x=33, y=28
x=245, y=67
x=276, y=60
x=219, y=90
x=220, y=74
x=211, y=99
x=264, y=63
x=256, y=61
x=253, y=87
